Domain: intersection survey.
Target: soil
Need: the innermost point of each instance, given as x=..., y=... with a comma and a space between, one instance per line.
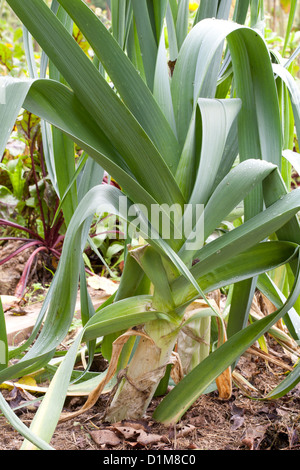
x=244, y=422
x=12, y=270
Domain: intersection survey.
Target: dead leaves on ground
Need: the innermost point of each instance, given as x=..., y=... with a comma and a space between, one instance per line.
x=274, y=430
x=137, y=435
x=20, y=399
x=255, y=426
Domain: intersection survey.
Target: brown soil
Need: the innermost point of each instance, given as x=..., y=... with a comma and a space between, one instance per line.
x=12, y=270
x=241, y=423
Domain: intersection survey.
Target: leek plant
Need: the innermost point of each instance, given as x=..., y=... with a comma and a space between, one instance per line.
x=192, y=121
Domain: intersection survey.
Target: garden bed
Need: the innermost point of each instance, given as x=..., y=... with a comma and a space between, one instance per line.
x=241, y=423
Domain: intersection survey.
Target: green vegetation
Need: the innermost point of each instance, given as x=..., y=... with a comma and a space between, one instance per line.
x=197, y=118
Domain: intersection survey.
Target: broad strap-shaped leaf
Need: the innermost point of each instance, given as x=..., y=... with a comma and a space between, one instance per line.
x=12, y=96
x=55, y=103
x=259, y=139
x=235, y=187
x=249, y=263
x=240, y=305
x=63, y=146
x=230, y=155
x=182, y=22
x=99, y=99
x=207, y=10
x=44, y=423
x=92, y=174
x=204, y=148
x=64, y=156
x=121, y=315
x=126, y=79
x=176, y=403
x=152, y=265
x=29, y=53
x=275, y=190
x=21, y=427
x=273, y=293
x=257, y=15
x=240, y=11
x=184, y=82
x=158, y=11
x=162, y=88
x=185, y=174
x=253, y=231
x=217, y=118
x=215, y=9
x=248, y=46
x=293, y=158
x=294, y=92
x=232, y=190
x=147, y=39
x=171, y=15
x=242, y=267
x=121, y=17
x=290, y=24
x=253, y=78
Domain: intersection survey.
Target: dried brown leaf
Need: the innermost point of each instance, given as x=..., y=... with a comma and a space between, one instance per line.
x=146, y=439
x=105, y=437
x=138, y=435
x=95, y=394
x=224, y=384
x=177, y=370
x=237, y=422
x=128, y=433
x=186, y=430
